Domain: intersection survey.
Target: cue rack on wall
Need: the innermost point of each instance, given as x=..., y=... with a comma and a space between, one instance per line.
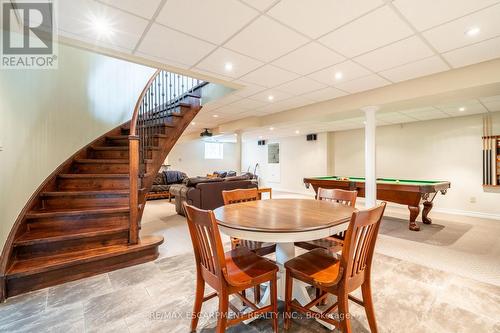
x=491, y=155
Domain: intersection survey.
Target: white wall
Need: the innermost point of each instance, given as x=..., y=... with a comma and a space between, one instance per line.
x=444, y=149
x=47, y=115
x=298, y=159
x=189, y=157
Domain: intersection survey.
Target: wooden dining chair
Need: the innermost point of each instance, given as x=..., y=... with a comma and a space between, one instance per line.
x=339, y=275
x=334, y=242
x=244, y=195
x=260, y=248
x=227, y=273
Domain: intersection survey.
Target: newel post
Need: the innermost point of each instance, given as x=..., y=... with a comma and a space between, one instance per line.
x=133, y=237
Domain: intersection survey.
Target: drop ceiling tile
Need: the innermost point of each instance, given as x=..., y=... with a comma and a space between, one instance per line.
x=211, y=74
x=472, y=54
x=415, y=69
x=349, y=70
x=251, y=113
x=395, y=118
x=266, y=40
x=492, y=103
x=424, y=14
x=169, y=44
x=300, y=86
x=144, y=8
x=453, y=35
x=469, y=111
x=459, y=104
x=324, y=94
x=269, y=76
x=378, y=28
x=77, y=18
x=213, y=21
x=228, y=99
x=468, y=107
x=309, y=58
x=399, y=53
x=364, y=83
x=426, y=113
x=290, y=103
x=318, y=17
x=495, y=98
x=248, y=104
x=264, y=96
x=249, y=89
x=217, y=60
x=260, y=4
x=492, y=106
x=229, y=109
x=162, y=60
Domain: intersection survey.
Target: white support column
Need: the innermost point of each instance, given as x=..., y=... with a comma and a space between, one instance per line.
x=370, y=156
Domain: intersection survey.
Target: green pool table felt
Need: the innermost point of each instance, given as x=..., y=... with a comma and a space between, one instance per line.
x=385, y=180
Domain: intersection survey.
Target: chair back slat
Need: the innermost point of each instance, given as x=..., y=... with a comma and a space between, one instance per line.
x=359, y=242
x=344, y=197
x=206, y=240
x=237, y=196
x=240, y=195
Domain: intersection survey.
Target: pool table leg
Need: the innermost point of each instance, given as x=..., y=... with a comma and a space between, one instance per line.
x=414, y=210
x=427, y=208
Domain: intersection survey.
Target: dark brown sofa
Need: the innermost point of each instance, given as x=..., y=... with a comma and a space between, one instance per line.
x=206, y=193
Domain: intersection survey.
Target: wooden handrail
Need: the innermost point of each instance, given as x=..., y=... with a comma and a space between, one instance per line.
x=135, y=116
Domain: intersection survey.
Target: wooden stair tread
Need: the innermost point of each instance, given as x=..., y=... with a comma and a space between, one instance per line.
x=93, y=175
x=75, y=212
x=102, y=161
x=117, y=137
x=106, y=161
x=83, y=193
x=38, y=236
x=38, y=265
x=110, y=147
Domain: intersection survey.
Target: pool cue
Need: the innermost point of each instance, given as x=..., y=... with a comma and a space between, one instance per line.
x=484, y=164
x=484, y=151
x=493, y=154
x=490, y=182
x=488, y=150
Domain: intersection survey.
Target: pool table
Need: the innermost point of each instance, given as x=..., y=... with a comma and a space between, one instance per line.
x=401, y=191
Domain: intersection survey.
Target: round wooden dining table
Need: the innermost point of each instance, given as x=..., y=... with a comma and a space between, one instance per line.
x=284, y=222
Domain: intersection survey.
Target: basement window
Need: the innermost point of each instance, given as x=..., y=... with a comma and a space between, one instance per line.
x=214, y=151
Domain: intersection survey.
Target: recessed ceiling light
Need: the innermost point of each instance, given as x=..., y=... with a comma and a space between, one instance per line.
x=461, y=109
x=193, y=123
x=270, y=97
x=297, y=132
x=339, y=75
x=215, y=116
x=228, y=66
x=473, y=31
x=102, y=27
x=271, y=128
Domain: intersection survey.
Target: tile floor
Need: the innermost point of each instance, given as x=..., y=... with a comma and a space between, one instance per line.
x=420, y=285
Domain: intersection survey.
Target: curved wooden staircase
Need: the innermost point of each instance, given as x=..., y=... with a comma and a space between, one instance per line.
x=85, y=218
